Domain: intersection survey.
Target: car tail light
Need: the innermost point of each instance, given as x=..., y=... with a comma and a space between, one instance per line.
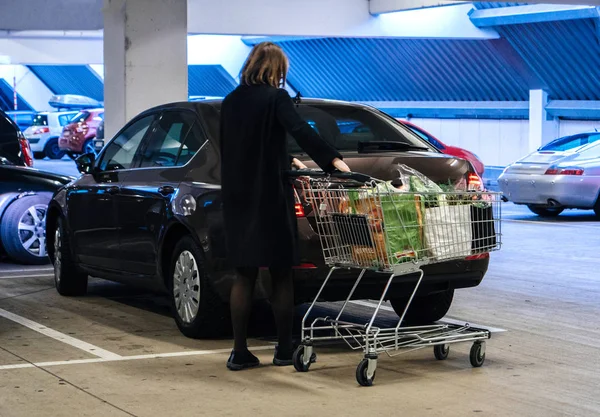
x=299, y=210
x=485, y=255
x=306, y=265
x=474, y=182
x=564, y=171
x=41, y=130
x=26, y=150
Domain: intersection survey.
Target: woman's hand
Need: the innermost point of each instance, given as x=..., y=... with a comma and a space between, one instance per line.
x=298, y=164
x=340, y=165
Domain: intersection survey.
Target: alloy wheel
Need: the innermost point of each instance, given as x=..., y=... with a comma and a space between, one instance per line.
x=32, y=230
x=186, y=287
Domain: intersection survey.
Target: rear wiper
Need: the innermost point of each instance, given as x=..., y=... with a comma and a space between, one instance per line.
x=379, y=146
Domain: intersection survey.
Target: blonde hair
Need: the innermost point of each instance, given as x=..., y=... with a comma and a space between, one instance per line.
x=266, y=64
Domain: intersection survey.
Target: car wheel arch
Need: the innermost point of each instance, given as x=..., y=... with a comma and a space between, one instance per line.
x=173, y=233
x=52, y=216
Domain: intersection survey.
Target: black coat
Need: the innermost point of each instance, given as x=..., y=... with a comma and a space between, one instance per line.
x=258, y=199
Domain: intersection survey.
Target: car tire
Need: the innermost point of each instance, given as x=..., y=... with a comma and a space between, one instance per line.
x=68, y=280
x=23, y=230
x=426, y=309
x=88, y=147
x=545, y=212
x=51, y=149
x=198, y=310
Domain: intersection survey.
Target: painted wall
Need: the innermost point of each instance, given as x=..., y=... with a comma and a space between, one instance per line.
x=570, y=127
x=28, y=86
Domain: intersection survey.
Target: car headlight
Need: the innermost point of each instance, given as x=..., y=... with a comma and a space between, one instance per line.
x=184, y=205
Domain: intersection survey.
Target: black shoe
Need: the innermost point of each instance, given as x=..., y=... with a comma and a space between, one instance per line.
x=283, y=358
x=239, y=360
x=287, y=358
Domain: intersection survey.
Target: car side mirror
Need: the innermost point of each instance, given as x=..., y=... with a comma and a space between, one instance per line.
x=85, y=163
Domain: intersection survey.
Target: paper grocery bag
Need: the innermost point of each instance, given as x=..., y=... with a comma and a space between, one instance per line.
x=448, y=232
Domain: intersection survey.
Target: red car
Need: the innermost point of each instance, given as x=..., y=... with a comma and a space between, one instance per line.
x=78, y=136
x=450, y=150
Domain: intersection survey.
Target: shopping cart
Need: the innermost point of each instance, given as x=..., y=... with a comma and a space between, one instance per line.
x=369, y=225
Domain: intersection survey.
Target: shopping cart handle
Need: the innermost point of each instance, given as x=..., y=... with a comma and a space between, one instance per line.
x=354, y=176
x=313, y=173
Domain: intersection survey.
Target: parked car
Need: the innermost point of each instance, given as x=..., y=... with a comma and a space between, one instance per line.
x=14, y=148
x=550, y=181
x=447, y=149
x=78, y=136
x=23, y=118
x=147, y=210
x=24, y=196
x=44, y=132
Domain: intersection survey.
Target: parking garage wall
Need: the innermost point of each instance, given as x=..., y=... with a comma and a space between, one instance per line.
x=496, y=142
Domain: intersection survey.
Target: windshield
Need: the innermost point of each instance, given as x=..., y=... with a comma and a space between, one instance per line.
x=40, y=120
x=571, y=142
x=346, y=126
x=80, y=117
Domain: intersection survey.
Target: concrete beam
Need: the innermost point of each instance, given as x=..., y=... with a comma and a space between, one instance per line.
x=29, y=51
x=388, y=6
x=51, y=15
x=455, y=109
x=530, y=14
x=338, y=18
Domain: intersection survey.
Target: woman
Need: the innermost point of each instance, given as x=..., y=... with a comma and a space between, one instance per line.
x=258, y=200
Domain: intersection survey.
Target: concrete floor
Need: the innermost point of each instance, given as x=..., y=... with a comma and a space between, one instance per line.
x=117, y=351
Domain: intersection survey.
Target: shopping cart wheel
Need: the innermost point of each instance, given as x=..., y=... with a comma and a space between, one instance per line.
x=477, y=355
x=441, y=352
x=298, y=359
x=362, y=373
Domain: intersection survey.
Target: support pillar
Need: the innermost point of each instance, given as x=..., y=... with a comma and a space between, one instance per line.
x=541, y=130
x=145, y=57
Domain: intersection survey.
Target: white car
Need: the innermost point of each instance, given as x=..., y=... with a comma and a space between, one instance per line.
x=43, y=134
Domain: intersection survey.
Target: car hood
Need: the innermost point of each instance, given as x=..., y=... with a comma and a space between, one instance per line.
x=438, y=167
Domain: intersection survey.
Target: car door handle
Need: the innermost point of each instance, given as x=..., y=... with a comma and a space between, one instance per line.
x=166, y=190
x=112, y=190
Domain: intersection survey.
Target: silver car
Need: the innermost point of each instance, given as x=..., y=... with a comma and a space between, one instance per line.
x=43, y=134
x=549, y=181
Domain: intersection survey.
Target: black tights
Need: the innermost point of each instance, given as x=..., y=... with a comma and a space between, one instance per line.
x=282, y=302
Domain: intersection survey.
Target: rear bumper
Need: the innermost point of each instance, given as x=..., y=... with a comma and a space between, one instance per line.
x=437, y=277
x=567, y=191
x=71, y=143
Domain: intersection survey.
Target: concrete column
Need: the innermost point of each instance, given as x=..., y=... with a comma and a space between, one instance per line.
x=541, y=130
x=145, y=57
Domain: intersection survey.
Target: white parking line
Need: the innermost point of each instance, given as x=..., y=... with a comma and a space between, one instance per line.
x=445, y=320
x=61, y=337
x=16, y=271
x=28, y=276
x=128, y=358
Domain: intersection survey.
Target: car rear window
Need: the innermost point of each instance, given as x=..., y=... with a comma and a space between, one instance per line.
x=80, y=117
x=346, y=126
x=40, y=120
x=571, y=142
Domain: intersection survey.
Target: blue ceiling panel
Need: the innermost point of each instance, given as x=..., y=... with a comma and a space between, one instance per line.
x=70, y=79
x=375, y=69
x=209, y=80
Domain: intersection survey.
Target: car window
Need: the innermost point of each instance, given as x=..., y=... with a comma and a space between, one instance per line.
x=80, y=117
x=120, y=152
x=40, y=120
x=174, y=142
x=426, y=137
x=64, y=119
x=571, y=142
x=345, y=127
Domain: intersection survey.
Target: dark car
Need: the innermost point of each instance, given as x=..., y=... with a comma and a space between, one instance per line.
x=24, y=196
x=147, y=211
